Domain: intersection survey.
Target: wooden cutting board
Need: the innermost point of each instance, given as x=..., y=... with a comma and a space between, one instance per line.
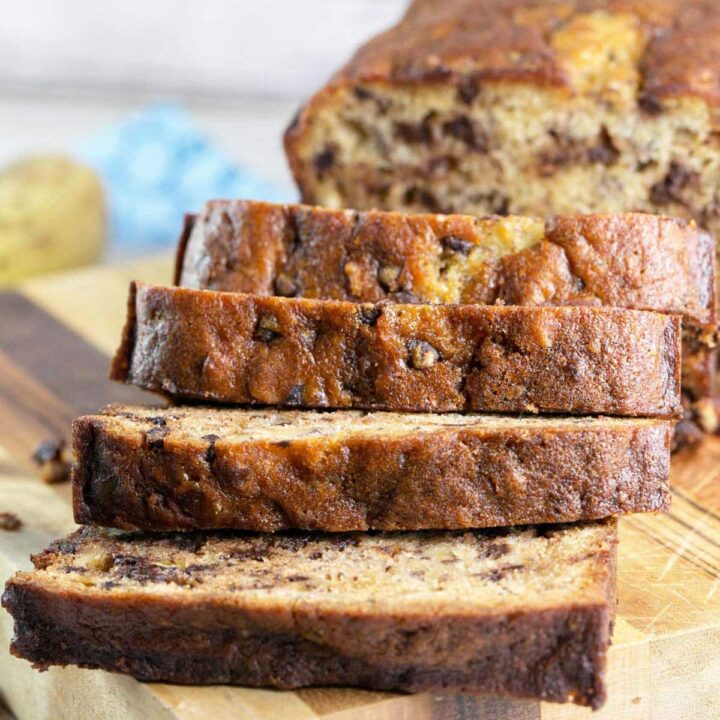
x=55, y=338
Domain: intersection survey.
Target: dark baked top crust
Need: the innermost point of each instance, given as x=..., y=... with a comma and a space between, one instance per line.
x=631, y=260
x=228, y=347
x=185, y=468
x=465, y=41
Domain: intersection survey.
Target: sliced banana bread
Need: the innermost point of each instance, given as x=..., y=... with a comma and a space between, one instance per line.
x=196, y=468
x=524, y=613
x=628, y=260
x=517, y=106
x=250, y=349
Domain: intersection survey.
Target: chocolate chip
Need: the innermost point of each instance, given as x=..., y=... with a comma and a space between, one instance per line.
x=155, y=437
x=324, y=160
x=361, y=93
x=343, y=542
x=493, y=550
x=48, y=450
x=369, y=314
x=158, y=420
x=650, y=104
x=415, y=133
x=210, y=452
x=497, y=574
x=142, y=571
x=257, y=554
x=604, y=152
x=267, y=329
x=10, y=521
x=468, y=89
x=442, y=165
x=421, y=196
x=283, y=443
x=64, y=547
x=190, y=542
x=293, y=543
x=294, y=397
x=294, y=230
x=671, y=188
x=456, y=244
x=285, y=286
x=501, y=205
x=388, y=277
x=54, y=460
x=461, y=128
x=422, y=354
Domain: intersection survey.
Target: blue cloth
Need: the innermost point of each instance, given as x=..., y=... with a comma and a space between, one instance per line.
x=156, y=166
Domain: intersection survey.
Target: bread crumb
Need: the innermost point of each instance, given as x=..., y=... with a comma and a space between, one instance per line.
x=10, y=521
x=54, y=460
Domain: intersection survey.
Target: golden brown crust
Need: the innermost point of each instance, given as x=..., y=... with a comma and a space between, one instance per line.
x=509, y=40
x=228, y=347
x=144, y=616
x=187, y=469
x=630, y=260
x=465, y=41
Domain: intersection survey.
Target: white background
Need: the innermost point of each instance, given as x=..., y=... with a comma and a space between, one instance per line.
x=69, y=67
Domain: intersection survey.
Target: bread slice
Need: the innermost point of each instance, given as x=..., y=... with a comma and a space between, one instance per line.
x=228, y=347
x=190, y=468
x=490, y=106
x=629, y=260
x=523, y=613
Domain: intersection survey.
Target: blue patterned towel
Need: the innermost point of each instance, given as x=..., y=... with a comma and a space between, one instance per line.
x=156, y=166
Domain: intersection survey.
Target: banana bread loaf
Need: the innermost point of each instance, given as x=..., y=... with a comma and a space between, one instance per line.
x=517, y=106
x=196, y=468
x=629, y=260
x=250, y=349
x=523, y=613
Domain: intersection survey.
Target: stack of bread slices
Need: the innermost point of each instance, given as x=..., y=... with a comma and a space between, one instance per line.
x=415, y=435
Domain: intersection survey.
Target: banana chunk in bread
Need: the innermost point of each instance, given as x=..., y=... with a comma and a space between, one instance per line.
x=505, y=106
x=250, y=349
x=517, y=612
x=629, y=260
x=198, y=468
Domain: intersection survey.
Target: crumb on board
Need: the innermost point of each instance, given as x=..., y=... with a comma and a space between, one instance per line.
x=54, y=460
x=9, y=521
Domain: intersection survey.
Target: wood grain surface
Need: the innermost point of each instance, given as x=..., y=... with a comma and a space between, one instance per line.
x=55, y=338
